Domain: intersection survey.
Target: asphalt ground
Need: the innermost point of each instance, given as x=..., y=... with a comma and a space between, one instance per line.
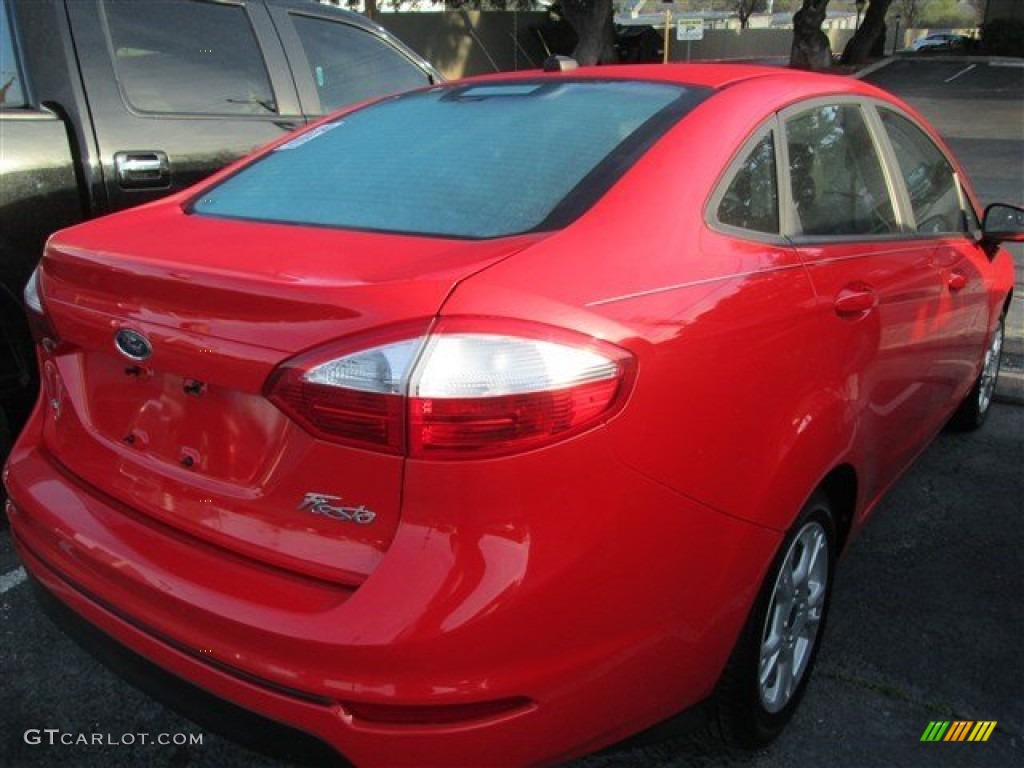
x=927, y=622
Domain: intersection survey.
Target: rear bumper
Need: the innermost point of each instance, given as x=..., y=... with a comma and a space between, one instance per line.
x=588, y=637
x=217, y=714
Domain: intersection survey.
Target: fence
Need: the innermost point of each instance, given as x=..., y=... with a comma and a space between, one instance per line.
x=477, y=42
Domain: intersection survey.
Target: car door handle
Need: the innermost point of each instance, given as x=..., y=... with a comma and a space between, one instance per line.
x=855, y=300
x=146, y=169
x=956, y=280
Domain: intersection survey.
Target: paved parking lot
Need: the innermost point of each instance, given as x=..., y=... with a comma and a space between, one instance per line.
x=927, y=622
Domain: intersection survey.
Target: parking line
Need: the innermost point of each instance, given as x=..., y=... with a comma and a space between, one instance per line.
x=961, y=72
x=10, y=580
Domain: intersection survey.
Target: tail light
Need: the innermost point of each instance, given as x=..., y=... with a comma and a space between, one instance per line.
x=38, y=321
x=459, y=391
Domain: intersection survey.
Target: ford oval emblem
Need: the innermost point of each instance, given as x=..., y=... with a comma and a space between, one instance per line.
x=132, y=344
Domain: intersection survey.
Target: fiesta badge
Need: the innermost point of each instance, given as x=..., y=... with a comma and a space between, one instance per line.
x=132, y=344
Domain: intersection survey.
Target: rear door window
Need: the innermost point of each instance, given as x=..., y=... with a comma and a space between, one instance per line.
x=349, y=64
x=838, y=187
x=188, y=58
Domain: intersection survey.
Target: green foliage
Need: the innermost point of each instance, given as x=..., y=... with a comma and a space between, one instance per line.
x=946, y=14
x=909, y=12
x=1003, y=37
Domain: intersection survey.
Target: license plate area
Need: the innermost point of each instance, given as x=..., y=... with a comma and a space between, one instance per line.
x=180, y=419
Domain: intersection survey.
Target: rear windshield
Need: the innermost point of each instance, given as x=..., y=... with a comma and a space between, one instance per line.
x=473, y=161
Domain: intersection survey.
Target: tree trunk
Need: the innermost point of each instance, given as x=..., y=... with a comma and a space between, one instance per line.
x=858, y=51
x=811, y=47
x=592, y=22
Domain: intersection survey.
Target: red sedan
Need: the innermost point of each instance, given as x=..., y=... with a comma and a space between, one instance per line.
x=497, y=421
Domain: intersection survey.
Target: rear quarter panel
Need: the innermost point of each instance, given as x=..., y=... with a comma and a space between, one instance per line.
x=736, y=402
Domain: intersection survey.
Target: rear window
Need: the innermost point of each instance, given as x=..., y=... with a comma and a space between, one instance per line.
x=473, y=161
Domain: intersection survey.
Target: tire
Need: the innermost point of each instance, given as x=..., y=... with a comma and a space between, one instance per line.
x=782, y=634
x=973, y=411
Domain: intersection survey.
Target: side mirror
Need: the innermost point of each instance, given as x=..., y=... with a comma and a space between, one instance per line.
x=1003, y=223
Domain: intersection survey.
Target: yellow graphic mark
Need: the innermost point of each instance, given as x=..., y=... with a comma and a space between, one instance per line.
x=982, y=730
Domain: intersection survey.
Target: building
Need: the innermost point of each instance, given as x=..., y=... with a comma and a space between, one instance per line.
x=1004, y=9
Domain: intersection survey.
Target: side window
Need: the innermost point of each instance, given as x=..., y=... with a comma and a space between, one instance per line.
x=349, y=64
x=926, y=172
x=188, y=57
x=837, y=181
x=751, y=201
x=11, y=92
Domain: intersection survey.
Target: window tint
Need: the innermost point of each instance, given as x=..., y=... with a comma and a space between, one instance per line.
x=11, y=92
x=837, y=181
x=473, y=169
x=349, y=64
x=752, y=198
x=188, y=57
x=928, y=176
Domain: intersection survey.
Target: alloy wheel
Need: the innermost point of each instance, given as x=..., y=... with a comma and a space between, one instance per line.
x=794, y=617
x=990, y=369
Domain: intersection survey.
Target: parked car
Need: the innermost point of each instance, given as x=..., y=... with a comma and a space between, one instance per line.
x=420, y=450
x=105, y=104
x=937, y=41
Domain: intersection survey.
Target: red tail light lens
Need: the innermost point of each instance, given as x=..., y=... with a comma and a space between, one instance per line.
x=492, y=426
x=458, y=393
x=355, y=399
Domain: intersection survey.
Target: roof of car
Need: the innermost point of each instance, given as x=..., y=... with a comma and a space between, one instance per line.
x=798, y=83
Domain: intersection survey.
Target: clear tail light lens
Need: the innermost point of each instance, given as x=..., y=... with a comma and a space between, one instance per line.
x=458, y=393
x=33, y=302
x=38, y=321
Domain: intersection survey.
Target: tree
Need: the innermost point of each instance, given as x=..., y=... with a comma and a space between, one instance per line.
x=745, y=8
x=909, y=11
x=592, y=20
x=811, y=47
x=869, y=37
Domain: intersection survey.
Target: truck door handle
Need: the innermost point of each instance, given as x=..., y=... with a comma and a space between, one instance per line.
x=956, y=280
x=855, y=300
x=145, y=169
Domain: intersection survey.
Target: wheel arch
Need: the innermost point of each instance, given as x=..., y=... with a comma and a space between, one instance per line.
x=840, y=487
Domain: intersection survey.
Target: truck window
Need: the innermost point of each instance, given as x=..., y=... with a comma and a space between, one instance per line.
x=188, y=58
x=349, y=64
x=11, y=92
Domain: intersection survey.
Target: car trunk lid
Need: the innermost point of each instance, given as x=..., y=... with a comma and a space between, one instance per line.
x=184, y=435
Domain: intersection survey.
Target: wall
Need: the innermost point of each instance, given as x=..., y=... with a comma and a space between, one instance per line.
x=725, y=44
x=470, y=43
